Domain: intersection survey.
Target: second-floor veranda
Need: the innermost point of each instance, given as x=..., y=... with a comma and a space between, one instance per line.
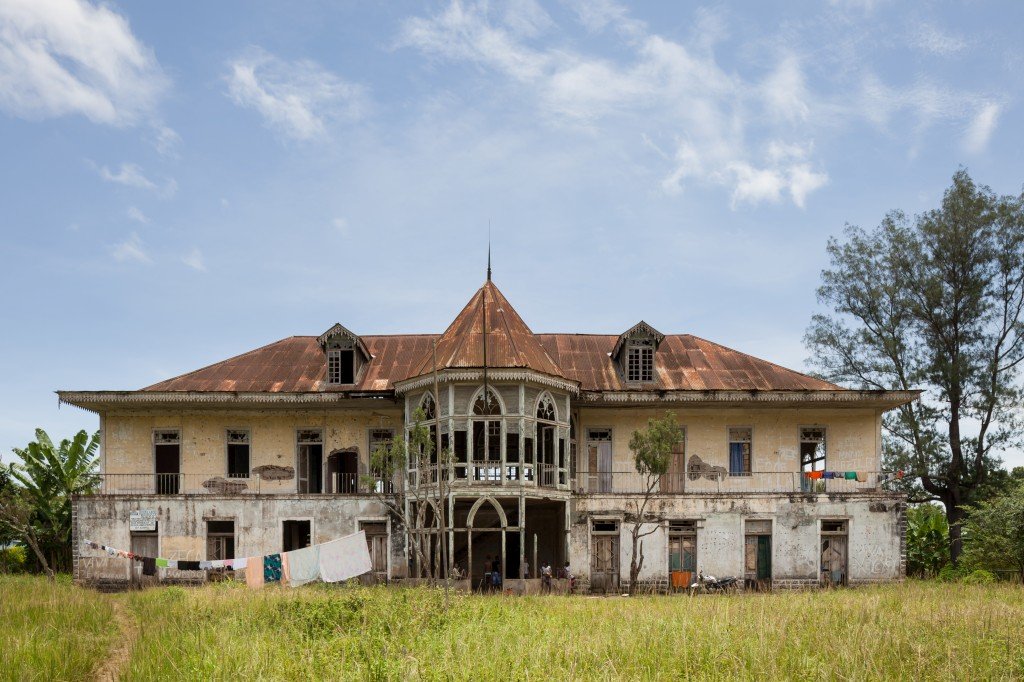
x=487, y=476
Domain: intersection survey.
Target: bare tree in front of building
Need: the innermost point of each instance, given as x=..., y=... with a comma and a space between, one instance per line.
x=408, y=480
x=652, y=457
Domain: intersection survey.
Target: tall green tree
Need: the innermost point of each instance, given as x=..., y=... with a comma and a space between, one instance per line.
x=652, y=457
x=994, y=533
x=45, y=479
x=934, y=303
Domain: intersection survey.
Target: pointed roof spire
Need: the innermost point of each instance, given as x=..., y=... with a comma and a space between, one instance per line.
x=509, y=342
x=488, y=250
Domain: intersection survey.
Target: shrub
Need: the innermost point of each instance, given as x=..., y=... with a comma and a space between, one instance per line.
x=13, y=560
x=978, y=576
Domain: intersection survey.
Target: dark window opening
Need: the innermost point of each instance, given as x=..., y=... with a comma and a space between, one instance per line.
x=220, y=540
x=238, y=454
x=296, y=535
x=311, y=461
x=167, y=461
x=604, y=526
x=341, y=366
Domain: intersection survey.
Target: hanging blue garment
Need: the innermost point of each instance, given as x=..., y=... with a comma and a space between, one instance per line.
x=736, y=458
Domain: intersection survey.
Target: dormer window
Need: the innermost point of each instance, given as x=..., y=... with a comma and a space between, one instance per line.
x=340, y=366
x=346, y=355
x=640, y=361
x=634, y=353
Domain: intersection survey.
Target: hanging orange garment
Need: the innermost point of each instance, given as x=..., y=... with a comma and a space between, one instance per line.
x=815, y=474
x=254, y=572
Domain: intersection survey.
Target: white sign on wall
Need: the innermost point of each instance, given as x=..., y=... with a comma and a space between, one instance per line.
x=142, y=520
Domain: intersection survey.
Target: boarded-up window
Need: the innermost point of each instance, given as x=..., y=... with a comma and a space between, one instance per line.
x=757, y=555
x=673, y=479
x=377, y=543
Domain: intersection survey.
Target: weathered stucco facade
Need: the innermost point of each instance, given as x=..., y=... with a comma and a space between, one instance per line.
x=777, y=479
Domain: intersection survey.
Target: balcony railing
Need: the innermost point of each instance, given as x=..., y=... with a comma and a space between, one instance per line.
x=490, y=472
x=220, y=484
x=631, y=482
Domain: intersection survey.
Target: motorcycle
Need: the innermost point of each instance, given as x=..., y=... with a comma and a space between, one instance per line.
x=709, y=583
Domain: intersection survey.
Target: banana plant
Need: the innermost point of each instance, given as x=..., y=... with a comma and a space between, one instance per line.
x=49, y=475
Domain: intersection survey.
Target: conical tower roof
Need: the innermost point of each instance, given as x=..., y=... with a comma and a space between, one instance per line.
x=510, y=343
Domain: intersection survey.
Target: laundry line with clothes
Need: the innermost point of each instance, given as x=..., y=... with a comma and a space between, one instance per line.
x=859, y=476
x=333, y=561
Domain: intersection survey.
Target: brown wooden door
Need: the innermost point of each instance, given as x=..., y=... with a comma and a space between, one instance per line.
x=604, y=563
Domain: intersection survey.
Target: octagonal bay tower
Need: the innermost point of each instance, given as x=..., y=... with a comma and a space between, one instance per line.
x=503, y=411
x=777, y=478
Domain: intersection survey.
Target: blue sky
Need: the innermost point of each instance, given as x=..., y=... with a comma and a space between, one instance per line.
x=185, y=181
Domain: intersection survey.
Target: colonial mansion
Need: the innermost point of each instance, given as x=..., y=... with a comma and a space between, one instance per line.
x=777, y=479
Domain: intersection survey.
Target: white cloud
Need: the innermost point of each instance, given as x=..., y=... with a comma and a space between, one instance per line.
x=194, y=259
x=62, y=57
x=166, y=140
x=933, y=40
x=137, y=215
x=297, y=99
x=131, y=175
x=981, y=127
x=785, y=91
x=340, y=225
x=672, y=89
x=131, y=249
x=785, y=170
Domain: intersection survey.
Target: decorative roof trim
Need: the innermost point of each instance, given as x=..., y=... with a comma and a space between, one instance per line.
x=85, y=399
x=493, y=374
x=889, y=398
x=340, y=330
x=641, y=328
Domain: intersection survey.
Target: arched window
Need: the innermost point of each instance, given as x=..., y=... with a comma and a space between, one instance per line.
x=547, y=440
x=487, y=434
x=429, y=407
x=546, y=408
x=489, y=406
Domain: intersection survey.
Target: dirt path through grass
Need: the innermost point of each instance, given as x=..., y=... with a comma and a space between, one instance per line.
x=121, y=652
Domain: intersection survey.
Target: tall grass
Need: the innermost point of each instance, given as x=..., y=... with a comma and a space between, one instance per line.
x=51, y=632
x=920, y=631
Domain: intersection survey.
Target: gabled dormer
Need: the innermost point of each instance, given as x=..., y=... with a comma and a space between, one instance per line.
x=346, y=356
x=634, y=353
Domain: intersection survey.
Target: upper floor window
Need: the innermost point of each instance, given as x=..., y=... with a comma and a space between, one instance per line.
x=238, y=453
x=488, y=405
x=812, y=449
x=340, y=366
x=546, y=408
x=640, y=361
x=740, y=441
x=429, y=407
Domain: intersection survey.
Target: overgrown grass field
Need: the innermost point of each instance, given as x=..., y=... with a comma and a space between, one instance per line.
x=916, y=630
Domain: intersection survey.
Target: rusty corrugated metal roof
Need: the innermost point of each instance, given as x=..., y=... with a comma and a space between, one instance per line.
x=297, y=364
x=682, y=362
x=510, y=343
